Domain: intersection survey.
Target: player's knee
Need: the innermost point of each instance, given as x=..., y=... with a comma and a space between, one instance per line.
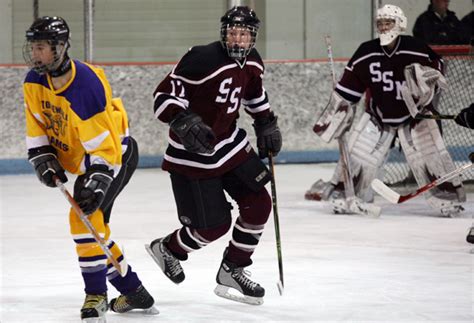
x=212, y=234
x=255, y=208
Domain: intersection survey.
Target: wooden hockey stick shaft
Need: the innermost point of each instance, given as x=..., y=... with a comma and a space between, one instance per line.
x=100, y=241
x=435, y=116
x=393, y=197
x=276, y=220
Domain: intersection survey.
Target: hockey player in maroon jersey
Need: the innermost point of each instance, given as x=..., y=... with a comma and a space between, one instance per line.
x=396, y=71
x=208, y=154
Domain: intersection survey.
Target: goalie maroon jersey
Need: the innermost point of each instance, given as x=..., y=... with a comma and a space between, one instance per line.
x=379, y=72
x=212, y=85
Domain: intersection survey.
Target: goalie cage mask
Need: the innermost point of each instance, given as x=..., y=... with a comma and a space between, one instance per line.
x=56, y=32
x=391, y=12
x=239, y=17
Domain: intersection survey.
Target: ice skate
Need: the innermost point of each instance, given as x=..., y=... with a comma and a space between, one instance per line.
x=470, y=235
x=168, y=263
x=231, y=278
x=319, y=191
x=94, y=308
x=138, y=299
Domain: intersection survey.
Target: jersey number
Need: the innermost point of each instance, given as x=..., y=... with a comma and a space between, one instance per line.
x=225, y=90
x=386, y=78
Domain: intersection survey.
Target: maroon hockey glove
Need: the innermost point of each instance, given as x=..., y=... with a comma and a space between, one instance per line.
x=92, y=187
x=195, y=135
x=268, y=135
x=46, y=165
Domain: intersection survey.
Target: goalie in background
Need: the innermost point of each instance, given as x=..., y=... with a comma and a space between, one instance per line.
x=385, y=68
x=73, y=124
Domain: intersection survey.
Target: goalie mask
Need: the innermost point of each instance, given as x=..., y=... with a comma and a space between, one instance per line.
x=397, y=25
x=239, y=28
x=45, y=49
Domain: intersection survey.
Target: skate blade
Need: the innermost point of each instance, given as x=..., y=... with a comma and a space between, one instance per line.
x=94, y=320
x=151, y=311
x=223, y=291
x=150, y=252
x=159, y=263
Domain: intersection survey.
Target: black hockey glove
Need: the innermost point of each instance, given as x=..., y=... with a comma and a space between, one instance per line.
x=195, y=135
x=46, y=164
x=92, y=187
x=465, y=118
x=268, y=135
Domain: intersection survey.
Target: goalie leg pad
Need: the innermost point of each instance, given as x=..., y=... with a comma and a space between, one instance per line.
x=333, y=120
x=369, y=144
x=429, y=159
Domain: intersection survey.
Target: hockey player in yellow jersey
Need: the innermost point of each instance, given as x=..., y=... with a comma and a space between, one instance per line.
x=73, y=124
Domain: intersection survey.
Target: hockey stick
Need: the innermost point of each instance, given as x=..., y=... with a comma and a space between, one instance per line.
x=435, y=116
x=276, y=220
x=100, y=241
x=354, y=203
x=393, y=197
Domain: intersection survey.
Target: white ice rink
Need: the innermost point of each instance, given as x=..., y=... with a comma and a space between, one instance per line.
x=406, y=266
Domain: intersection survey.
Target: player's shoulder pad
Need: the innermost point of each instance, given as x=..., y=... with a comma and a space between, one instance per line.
x=33, y=77
x=86, y=93
x=364, y=49
x=200, y=61
x=417, y=45
x=255, y=57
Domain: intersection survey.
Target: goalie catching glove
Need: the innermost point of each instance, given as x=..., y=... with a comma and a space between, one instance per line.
x=91, y=188
x=421, y=84
x=194, y=134
x=268, y=134
x=46, y=164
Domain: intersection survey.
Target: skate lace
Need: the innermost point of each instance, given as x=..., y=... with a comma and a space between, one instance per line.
x=121, y=304
x=242, y=276
x=92, y=301
x=172, y=263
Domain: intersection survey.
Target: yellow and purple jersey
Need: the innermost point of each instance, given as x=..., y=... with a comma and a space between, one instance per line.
x=81, y=120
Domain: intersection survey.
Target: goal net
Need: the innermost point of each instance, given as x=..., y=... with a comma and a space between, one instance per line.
x=459, y=72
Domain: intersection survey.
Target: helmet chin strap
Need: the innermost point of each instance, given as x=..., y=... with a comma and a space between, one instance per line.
x=63, y=68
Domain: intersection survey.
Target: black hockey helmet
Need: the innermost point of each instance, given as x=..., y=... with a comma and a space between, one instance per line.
x=56, y=32
x=244, y=17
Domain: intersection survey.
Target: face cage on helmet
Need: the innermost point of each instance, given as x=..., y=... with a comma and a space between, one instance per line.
x=58, y=56
x=237, y=52
x=387, y=37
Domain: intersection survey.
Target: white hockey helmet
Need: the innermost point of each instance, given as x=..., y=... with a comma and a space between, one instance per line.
x=392, y=12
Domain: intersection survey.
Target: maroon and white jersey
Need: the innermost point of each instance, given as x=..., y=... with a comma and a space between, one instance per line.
x=380, y=73
x=212, y=85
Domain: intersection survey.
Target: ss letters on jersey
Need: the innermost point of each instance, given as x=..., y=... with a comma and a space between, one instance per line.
x=386, y=78
x=224, y=90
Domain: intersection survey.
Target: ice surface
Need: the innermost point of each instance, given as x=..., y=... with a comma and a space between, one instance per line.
x=406, y=266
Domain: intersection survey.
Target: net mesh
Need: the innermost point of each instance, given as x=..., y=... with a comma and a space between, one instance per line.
x=459, y=72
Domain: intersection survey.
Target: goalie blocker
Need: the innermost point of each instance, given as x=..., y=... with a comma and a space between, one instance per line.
x=334, y=119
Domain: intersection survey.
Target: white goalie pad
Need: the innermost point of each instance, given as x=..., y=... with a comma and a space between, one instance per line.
x=334, y=119
x=429, y=159
x=421, y=83
x=369, y=144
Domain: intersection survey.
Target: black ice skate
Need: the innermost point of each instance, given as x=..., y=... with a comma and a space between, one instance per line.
x=470, y=235
x=232, y=278
x=138, y=299
x=168, y=263
x=94, y=308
